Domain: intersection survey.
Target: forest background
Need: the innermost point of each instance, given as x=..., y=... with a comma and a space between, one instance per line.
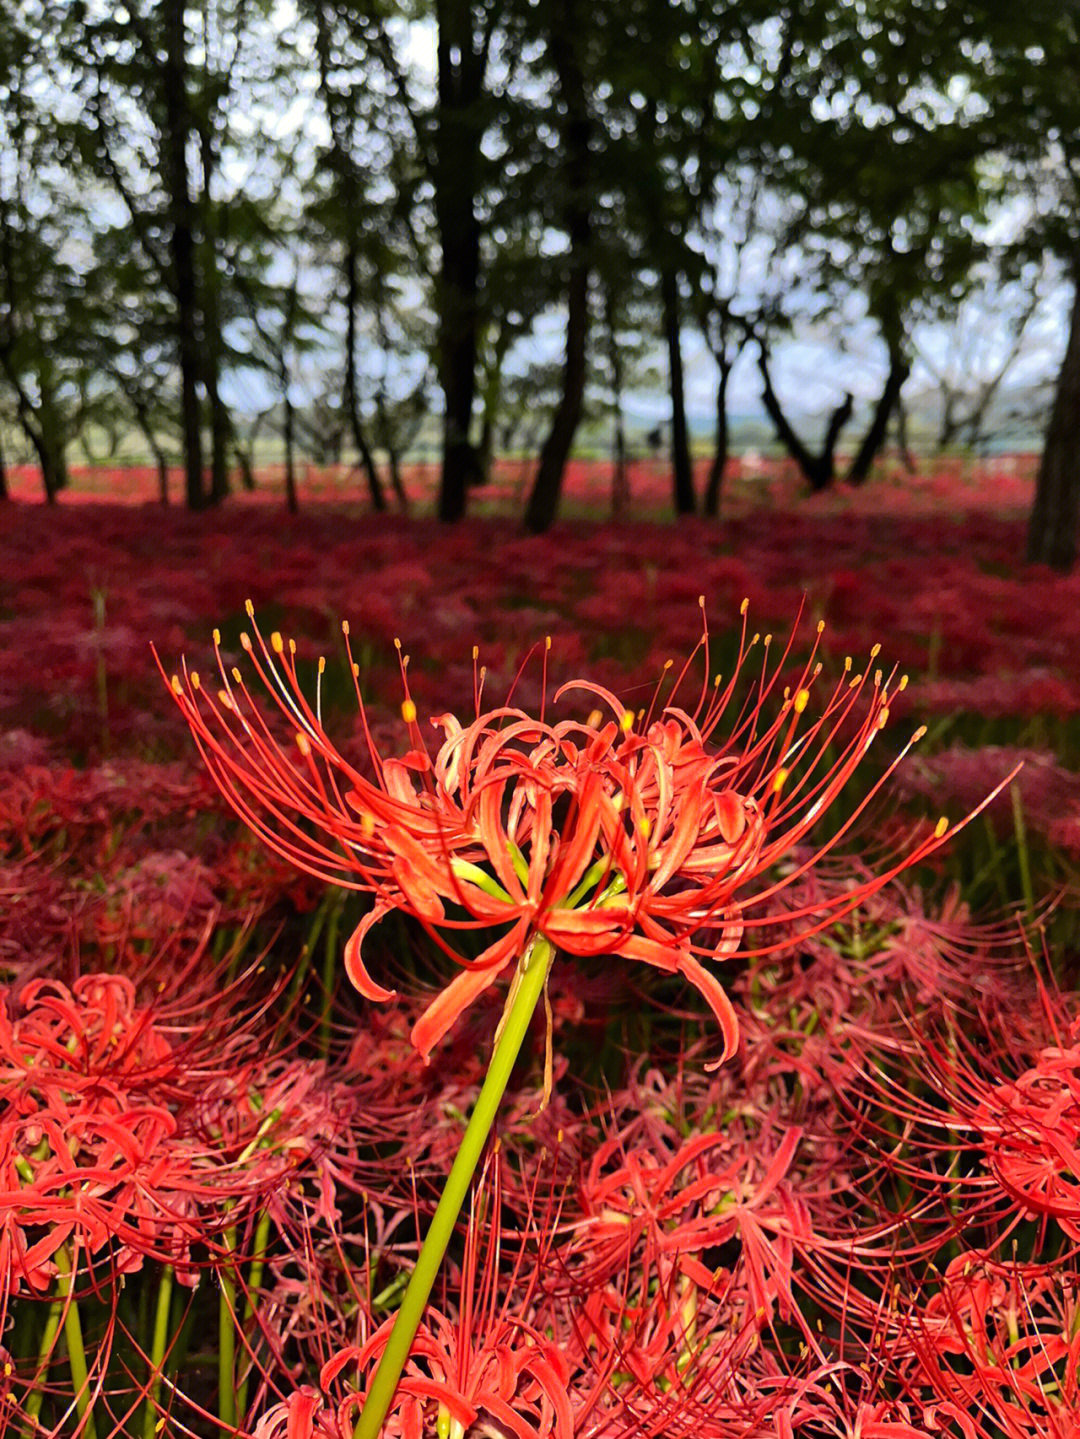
x=317, y=230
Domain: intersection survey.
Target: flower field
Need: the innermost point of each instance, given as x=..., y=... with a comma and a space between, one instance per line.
x=792, y=1146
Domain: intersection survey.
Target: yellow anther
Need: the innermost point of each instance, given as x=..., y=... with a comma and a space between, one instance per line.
x=595, y=716
x=322, y=664
x=177, y=687
x=821, y=627
x=701, y=602
x=940, y=828
x=408, y=711
x=367, y=824
x=558, y=1136
x=194, y=677
x=875, y=651
x=917, y=736
x=768, y=640
x=547, y=642
x=883, y=717
x=626, y=723
x=847, y=663
x=237, y=676
x=223, y=700
x=645, y=827
x=344, y=627
x=780, y=779
x=476, y=652
x=356, y=670
x=249, y=609
x=245, y=641
x=397, y=643
x=277, y=644
x=902, y=686
x=292, y=647
x=303, y=744
x=217, y=637
x=744, y=606
x=802, y=699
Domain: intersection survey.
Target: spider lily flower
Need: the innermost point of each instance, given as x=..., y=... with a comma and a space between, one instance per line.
x=640, y=835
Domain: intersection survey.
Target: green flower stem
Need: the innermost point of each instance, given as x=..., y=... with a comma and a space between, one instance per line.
x=227, y=1338
x=524, y=996
x=254, y=1283
x=157, y=1351
x=36, y=1396
x=73, y=1335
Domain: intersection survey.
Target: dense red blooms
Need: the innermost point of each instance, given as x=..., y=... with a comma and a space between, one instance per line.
x=864, y=1225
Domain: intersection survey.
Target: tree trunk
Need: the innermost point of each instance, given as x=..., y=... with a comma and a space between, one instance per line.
x=1055, y=515
x=182, y=247
x=682, y=473
x=458, y=134
x=899, y=370
x=903, y=444
x=620, y=482
x=543, y=503
x=820, y=469
x=220, y=426
x=720, y=450
x=388, y=440
x=352, y=399
x=576, y=128
x=288, y=431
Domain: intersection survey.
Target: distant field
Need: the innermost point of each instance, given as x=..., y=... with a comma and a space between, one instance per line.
x=1002, y=483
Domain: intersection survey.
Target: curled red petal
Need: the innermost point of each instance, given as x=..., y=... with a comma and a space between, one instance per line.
x=354, y=964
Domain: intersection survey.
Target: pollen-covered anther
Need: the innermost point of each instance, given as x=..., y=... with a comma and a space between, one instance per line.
x=744, y=606
x=195, y=681
x=177, y=687
x=223, y=700
x=237, y=676
x=367, y=824
x=940, y=828
x=802, y=699
x=779, y=780
x=883, y=717
x=303, y=744
x=626, y=722
x=217, y=637
x=594, y=719
x=408, y=711
x=249, y=609
x=245, y=641
x=644, y=826
x=322, y=664
x=277, y=644
x=345, y=628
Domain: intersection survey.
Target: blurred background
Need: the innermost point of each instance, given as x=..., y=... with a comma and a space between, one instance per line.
x=407, y=249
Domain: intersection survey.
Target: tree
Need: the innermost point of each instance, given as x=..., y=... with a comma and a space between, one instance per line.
x=1024, y=64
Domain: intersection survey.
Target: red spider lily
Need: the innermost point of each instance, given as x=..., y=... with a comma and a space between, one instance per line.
x=627, y=837
x=669, y=1209
x=1030, y=1130
x=998, y=1347
x=485, y=1355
